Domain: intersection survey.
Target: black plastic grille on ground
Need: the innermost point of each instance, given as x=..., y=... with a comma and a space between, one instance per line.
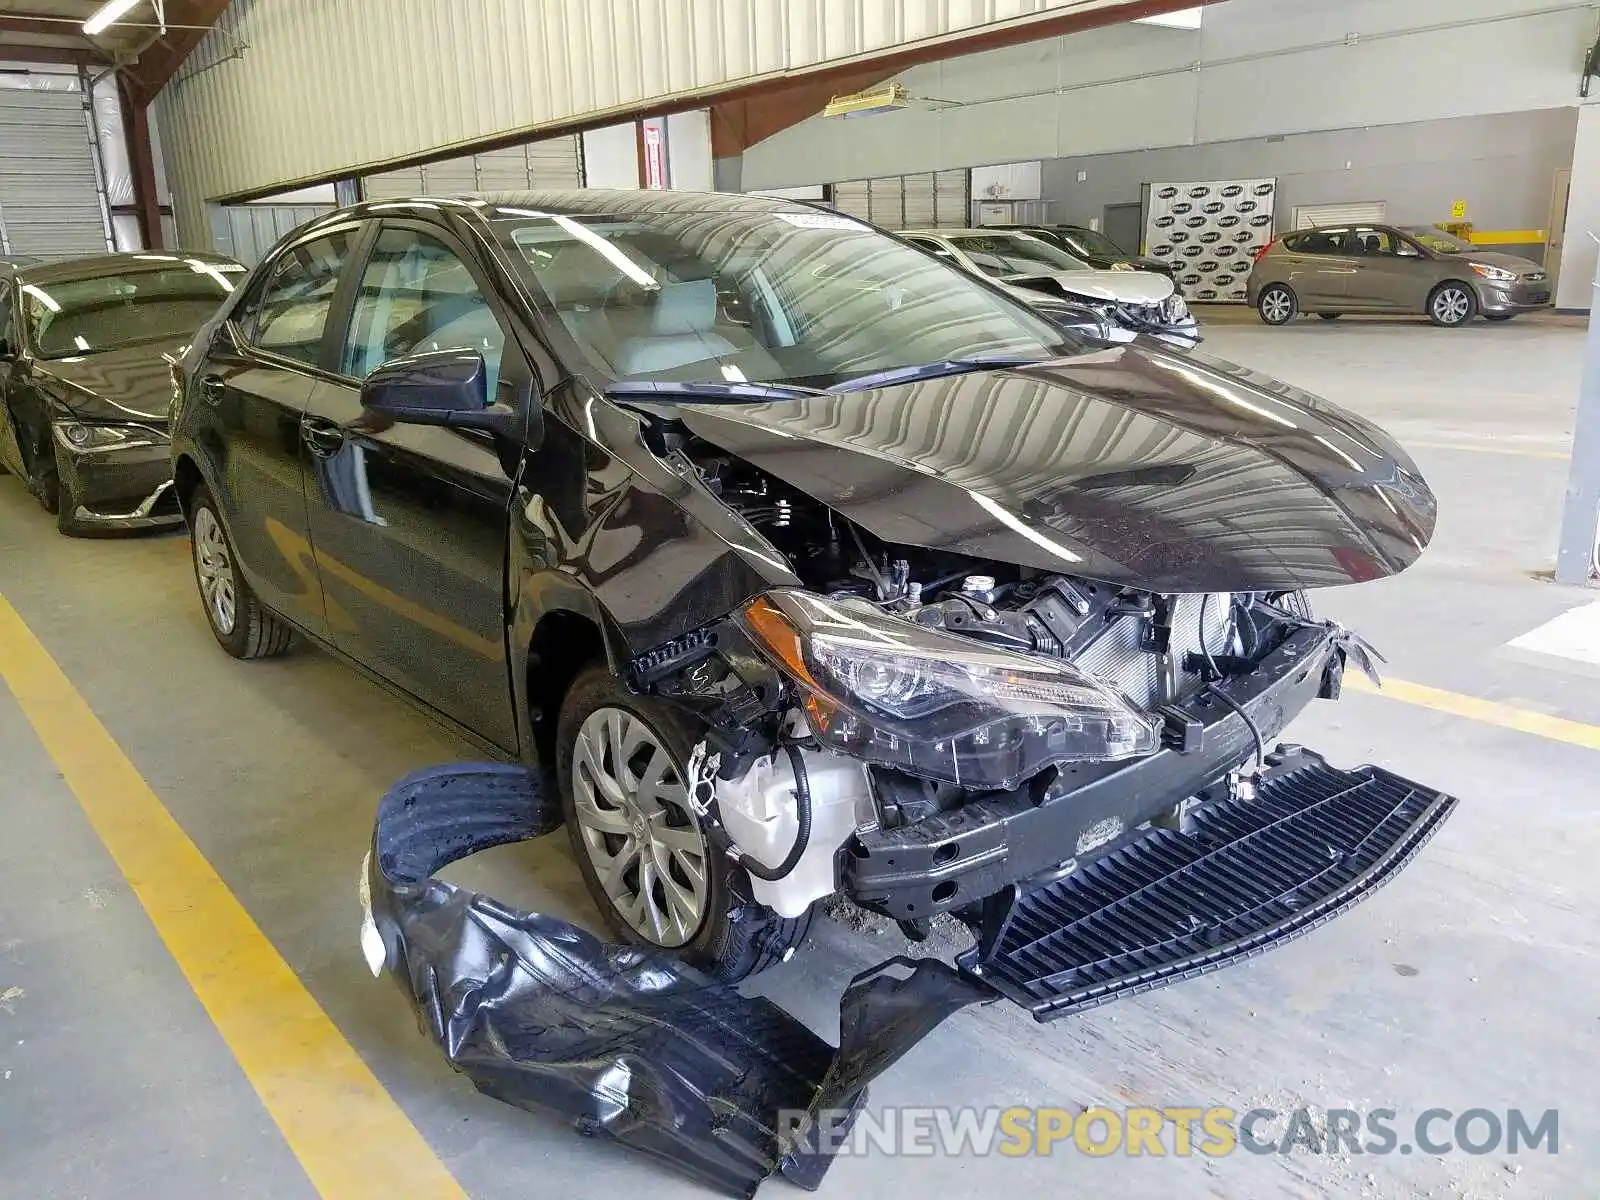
x=1248, y=875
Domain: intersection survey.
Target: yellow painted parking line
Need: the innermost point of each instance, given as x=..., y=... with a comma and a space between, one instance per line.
x=1490, y=712
x=348, y=1133
x=1476, y=448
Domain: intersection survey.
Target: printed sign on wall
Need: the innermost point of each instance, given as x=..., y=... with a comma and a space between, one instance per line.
x=1212, y=230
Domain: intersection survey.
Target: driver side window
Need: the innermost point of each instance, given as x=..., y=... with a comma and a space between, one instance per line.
x=417, y=295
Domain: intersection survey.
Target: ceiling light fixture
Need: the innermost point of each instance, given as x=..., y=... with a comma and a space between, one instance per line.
x=107, y=14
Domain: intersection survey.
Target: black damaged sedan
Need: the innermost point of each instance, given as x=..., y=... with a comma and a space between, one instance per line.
x=85, y=382
x=801, y=562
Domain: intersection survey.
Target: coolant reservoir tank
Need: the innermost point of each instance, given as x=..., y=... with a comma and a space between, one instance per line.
x=761, y=815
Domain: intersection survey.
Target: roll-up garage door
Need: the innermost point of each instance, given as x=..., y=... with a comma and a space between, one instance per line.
x=852, y=197
x=907, y=201
x=555, y=163
x=552, y=163
x=49, y=189
x=394, y=185
x=1370, y=212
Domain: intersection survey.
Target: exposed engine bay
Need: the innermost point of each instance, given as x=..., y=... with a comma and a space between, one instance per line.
x=1150, y=646
x=795, y=777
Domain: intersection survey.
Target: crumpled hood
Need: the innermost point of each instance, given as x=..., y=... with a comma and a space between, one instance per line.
x=1121, y=287
x=134, y=384
x=1160, y=469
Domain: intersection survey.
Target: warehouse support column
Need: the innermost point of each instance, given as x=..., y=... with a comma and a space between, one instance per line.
x=1580, y=520
x=136, y=125
x=1578, y=288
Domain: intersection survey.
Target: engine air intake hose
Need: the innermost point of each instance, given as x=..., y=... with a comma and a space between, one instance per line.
x=802, y=834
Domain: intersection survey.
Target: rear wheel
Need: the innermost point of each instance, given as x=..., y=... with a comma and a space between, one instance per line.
x=1330, y=316
x=1277, y=304
x=642, y=849
x=241, y=624
x=1452, y=304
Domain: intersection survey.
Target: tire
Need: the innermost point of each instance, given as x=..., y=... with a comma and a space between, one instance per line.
x=242, y=625
x=1277, y=304
x=1330, y=316
x=1452, y=305
x=1497, y=317
x=725, y=936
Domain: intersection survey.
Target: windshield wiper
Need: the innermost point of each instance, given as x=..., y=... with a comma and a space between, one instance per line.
x=933, y=370
x=709, y=389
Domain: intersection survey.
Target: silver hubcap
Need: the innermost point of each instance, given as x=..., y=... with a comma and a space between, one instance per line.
x=1277, y=306
x=214, y=569
x=638, y=827
x=1451, y=306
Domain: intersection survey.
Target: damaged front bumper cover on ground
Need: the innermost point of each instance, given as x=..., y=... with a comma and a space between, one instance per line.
x=630, y=1045
x=640, y=1048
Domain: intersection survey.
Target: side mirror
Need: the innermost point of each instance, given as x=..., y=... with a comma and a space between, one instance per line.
x=439, y=387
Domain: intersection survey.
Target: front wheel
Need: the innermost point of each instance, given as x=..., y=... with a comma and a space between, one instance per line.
x=1330, y=316
x=1497, y=317
x=1452, y=305
x=241, y=624
x=1277, y=305
x=642, y=849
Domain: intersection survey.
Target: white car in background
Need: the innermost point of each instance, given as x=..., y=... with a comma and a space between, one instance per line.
x=1045, y=276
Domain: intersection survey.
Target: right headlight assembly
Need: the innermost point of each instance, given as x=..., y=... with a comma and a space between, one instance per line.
x=882, y=689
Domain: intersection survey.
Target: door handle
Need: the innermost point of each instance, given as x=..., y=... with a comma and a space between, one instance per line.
x=322, y=438
x=211, y=387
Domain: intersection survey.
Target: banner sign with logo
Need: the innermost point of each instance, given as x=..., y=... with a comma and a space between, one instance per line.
x=1212, y=230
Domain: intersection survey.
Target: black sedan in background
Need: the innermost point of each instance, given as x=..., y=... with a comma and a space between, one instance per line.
x=85, y=380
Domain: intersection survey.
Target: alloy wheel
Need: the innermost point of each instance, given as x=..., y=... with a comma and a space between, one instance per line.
x=1277, y=306
x=638, y=827
x=1451, y=306
x=213, y=567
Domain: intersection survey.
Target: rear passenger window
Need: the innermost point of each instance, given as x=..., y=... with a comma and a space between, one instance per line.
x=1317, y=241
x=293, y=310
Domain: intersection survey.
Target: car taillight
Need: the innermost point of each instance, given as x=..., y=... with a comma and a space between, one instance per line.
x=1262, y=253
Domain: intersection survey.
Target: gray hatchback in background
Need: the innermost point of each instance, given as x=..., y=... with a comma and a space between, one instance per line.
x=1381, y=268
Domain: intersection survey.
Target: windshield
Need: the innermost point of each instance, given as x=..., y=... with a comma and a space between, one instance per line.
x=1002, y=254
x=736, y=295
x=1087, y=241
x=86, y=316
x=1439, y=241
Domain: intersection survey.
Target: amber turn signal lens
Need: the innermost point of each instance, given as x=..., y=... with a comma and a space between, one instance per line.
x=775, y=631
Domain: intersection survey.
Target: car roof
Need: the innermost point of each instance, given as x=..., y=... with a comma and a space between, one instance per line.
x=988, y=229
x=577, y=202
x=94, y=266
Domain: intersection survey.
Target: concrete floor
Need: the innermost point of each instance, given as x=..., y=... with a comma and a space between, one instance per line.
x=1469, y=982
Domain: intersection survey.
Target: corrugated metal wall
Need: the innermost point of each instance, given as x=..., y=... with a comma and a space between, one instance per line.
x=282, y=91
